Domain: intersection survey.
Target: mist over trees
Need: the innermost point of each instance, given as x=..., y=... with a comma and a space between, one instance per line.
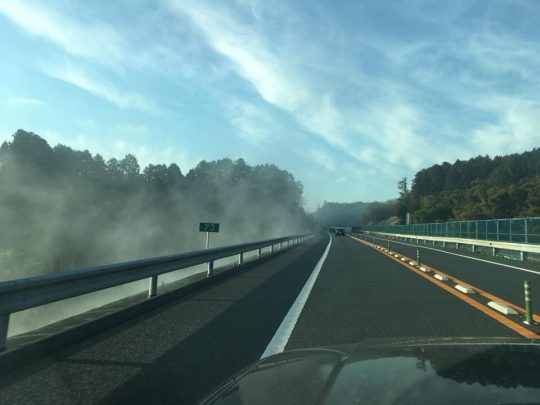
x=340, y=214
x=61, y=208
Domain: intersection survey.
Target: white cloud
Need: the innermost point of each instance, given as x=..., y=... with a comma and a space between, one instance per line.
x=101, y=88
x=93, y=41
x=251, y=122
x=17, y=101
x=322, y=158
x=515, y=131
x=256, y=61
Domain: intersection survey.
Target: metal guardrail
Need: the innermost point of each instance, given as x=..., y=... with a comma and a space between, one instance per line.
x=20, y=294
x=522, y=248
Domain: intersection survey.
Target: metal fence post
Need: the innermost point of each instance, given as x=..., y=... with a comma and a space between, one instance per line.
x=510, y=221
x=526, y=232
x=4, y=324
x=152, y=287
x=497, y=222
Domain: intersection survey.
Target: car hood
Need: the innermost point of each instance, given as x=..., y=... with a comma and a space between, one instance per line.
x=389, y=371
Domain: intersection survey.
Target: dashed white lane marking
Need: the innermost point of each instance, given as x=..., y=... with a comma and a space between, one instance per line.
x=283, y=333
x=466, y=257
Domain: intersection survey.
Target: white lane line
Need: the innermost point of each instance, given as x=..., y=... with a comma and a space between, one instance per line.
x=283, y=333
x=467, y=257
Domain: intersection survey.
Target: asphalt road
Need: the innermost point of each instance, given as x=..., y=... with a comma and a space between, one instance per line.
x=500, y=280
x=179, y=352
x=362, y=294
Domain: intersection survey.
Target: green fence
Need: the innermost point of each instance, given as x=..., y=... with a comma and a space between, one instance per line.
x=519, y=230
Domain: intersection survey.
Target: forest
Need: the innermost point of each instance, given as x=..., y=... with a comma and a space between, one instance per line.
x=61, y=208
x=478, y=188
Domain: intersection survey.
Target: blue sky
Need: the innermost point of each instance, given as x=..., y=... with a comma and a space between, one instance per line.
x=347, y=96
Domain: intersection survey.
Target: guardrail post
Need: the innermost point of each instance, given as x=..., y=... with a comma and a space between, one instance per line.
x=473, y=248
x=522, y=255
x=152, y=287
x=259, y=253
x=494, y=251
x=271, y=248
x=240, y=258
x=528, y=302
x=418, y=256
x=4, y=324
x=210, y=270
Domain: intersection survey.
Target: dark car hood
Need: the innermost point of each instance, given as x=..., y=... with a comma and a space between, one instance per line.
x=438, y=370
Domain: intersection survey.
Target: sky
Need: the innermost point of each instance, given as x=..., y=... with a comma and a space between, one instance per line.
x=348, y=96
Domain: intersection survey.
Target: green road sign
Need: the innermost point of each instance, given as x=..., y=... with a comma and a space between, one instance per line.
x=208, y=227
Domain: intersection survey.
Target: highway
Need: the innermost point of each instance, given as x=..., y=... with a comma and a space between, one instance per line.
x=179, y=352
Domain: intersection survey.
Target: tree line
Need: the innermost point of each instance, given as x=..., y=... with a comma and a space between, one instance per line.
x=479, y=188
x=62, y=208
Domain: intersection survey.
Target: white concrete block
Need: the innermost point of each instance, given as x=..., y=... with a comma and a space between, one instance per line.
x=440, y=277
x=463, y=289
x=505, y=309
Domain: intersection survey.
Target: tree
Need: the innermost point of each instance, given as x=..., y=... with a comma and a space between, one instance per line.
x=129, y=166
x=403, y=200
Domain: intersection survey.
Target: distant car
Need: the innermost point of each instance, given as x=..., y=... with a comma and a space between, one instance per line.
x=340, y=232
